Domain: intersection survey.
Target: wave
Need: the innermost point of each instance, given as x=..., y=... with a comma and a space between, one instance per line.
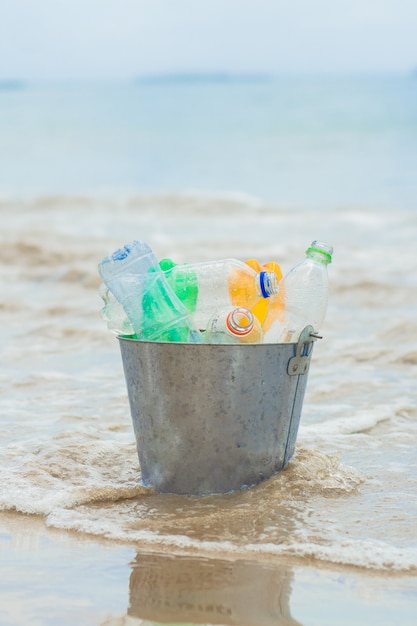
x=74, y=486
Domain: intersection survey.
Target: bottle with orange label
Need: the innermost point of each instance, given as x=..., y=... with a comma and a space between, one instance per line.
x=207, y=287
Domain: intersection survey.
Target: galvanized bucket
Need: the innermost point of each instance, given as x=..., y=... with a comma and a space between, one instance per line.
x=214, y=418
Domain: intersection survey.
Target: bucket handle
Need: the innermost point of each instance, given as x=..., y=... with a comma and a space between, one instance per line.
x=299, y=363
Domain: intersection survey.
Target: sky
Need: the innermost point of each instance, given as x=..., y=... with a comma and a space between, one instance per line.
x=121, y=39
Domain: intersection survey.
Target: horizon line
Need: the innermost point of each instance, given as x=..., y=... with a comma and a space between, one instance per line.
x=195, y=77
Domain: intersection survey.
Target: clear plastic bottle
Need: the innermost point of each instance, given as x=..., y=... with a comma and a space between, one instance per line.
x=207, y=287
x=302, y=298
x=233, y=325
x=114, y=314
x=133, y=276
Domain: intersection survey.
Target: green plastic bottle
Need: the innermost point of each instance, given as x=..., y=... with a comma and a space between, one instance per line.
x=155, y=313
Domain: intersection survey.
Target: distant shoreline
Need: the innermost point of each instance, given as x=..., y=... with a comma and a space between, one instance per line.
x=210, y=77
x=196, y=79
x=11, y=85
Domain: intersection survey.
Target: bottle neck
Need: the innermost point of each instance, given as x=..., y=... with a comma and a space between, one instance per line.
x=240, y=322
x=267, y=284
x=320, y=251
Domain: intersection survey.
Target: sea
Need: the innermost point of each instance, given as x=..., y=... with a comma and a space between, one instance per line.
x=205, y=168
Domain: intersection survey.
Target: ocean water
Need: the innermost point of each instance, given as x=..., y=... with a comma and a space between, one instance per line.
x=80, y=178
x=310, y=142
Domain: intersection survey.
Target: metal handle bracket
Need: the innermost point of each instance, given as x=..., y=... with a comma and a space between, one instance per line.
x=299, y=363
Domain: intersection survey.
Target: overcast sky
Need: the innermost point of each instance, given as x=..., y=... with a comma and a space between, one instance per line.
x=69, y=39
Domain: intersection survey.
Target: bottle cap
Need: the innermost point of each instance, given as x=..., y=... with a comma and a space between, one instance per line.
x=166, y=264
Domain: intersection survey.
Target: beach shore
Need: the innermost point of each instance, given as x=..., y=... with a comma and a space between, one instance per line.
x=329, y=541
x=51, y=577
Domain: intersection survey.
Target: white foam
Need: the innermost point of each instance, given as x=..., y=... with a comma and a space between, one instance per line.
x=371, y=555
x=357, y=422
x=68, y=474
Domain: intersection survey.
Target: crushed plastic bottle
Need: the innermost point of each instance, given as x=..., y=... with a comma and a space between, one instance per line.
x=233, y=325
x=155, y=313
x=114, y=314
x=207, y=287
x=303, y=297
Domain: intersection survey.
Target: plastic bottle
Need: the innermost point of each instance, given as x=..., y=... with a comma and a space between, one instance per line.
x=114, y=314
x=118, y=322
x=207, y=287
x=233, y=325
x=303, y=297
x=261, y=307
x=133, y=276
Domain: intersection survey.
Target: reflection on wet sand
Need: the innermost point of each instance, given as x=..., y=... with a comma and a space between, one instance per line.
x=177, y=589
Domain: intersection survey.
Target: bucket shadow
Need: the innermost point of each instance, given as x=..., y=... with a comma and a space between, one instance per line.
x=183, y=589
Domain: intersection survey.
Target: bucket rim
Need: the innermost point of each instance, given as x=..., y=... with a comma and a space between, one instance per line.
x=307, y=335
x=122, y=338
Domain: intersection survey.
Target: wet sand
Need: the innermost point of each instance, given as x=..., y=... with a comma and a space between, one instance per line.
x=55, y=577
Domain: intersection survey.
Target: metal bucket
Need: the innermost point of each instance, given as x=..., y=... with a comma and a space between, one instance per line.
x=214, y=418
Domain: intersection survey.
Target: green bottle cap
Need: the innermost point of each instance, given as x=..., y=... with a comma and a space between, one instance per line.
x=166, y=264
x=183, y=283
